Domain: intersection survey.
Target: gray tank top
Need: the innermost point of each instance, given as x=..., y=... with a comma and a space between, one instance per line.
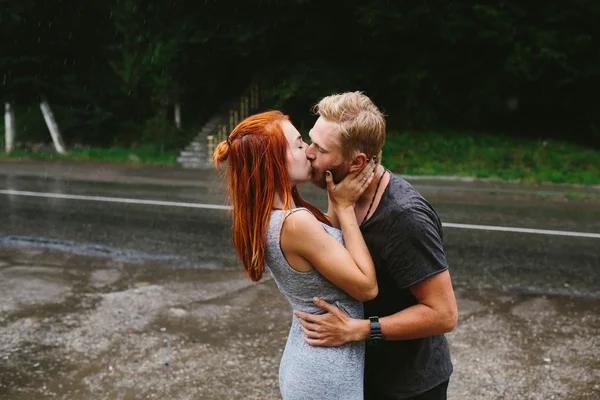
x=308, y=372
x=299, y=288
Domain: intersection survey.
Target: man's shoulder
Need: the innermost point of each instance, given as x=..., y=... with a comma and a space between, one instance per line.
x=402, y=197
x=406, y=207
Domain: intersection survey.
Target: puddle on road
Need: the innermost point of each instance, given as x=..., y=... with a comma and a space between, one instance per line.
x=88, y=302
x=167, y=261
x=83, y=249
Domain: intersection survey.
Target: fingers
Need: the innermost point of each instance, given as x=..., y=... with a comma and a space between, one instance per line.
x=368, y=169
x=310, y=327
x=329, y=180
x=325, y=305
x=311, y=334
x=365, y=176
x=363, y=173
x=369, y=179
x=306, y=316
x=316, y=342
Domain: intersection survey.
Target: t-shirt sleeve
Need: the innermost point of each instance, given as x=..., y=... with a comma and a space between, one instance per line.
x=414, y=250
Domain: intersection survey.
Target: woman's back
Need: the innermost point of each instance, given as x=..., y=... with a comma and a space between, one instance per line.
x=308, y=372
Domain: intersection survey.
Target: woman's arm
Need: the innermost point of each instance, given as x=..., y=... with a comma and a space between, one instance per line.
x=350, y=270
x=331, y=215
x=351, y=267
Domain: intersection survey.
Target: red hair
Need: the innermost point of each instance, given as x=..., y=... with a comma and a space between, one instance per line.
x=256, y=156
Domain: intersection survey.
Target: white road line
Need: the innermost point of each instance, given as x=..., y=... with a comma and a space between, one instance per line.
x=115, y=200
x=222, y=207
x=522, y=230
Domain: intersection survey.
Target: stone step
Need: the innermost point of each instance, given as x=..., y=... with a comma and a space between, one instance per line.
x=195, y=154
x=203, y=137
x=191, y=160
x=192, y=154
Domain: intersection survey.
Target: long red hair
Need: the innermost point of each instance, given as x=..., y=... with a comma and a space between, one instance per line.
x=256, y=156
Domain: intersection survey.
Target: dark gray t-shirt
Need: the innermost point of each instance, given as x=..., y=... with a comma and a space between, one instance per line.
x=405, y=238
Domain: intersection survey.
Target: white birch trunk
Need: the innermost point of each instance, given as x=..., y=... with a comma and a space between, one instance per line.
x=52, y=127
x=178, y=115
x=9, y=125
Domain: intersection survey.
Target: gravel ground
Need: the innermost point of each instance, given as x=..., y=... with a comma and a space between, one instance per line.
x=78, y=327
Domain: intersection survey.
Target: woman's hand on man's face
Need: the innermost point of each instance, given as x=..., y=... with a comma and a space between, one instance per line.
x=348, y=191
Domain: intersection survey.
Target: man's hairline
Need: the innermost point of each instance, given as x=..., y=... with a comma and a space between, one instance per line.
x=352, y=153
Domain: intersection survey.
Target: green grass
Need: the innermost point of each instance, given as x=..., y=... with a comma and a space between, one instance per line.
x=414, y=153
x=491, y=156
x=140, y=155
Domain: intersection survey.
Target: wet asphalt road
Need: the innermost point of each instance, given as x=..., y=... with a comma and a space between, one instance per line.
x=200, y=238
x=127, y=301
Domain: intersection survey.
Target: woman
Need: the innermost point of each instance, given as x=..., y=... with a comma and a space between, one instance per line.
x=273, y=226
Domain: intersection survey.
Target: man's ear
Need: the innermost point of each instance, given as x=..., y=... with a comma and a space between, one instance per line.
x=358, y=162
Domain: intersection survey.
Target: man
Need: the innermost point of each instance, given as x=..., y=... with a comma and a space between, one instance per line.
x=407, y=356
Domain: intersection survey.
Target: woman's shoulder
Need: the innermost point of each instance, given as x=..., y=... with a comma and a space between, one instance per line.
x=301, y=216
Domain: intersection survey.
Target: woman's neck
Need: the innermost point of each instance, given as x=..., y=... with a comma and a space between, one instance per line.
x=278, y=202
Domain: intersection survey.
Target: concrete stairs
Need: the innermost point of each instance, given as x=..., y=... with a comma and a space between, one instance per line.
x=195, y=155
x=198, y=154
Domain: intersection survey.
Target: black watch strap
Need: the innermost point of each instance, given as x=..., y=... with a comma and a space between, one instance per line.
x=375, y=331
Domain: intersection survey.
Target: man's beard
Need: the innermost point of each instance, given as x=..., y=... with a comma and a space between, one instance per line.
x=339, y=172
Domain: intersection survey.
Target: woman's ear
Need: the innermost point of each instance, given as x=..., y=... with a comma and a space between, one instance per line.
x=358, y=162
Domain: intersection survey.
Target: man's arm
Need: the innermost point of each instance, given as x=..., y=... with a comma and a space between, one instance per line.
x=435, y=314
x=414, y=253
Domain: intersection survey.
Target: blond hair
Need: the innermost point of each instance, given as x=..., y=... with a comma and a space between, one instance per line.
x=361, y=123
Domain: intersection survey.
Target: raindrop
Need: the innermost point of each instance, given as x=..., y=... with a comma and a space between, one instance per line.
x=110, y=16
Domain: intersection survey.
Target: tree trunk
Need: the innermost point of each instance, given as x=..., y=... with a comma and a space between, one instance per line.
x=52, y=127
x=9, y=125
x=178, y=115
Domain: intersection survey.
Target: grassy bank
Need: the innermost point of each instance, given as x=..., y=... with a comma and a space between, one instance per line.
x=430, y=153
x=139, y=155
x=491, y=156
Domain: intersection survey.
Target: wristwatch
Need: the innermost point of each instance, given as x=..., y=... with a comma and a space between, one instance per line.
x=375, y=331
